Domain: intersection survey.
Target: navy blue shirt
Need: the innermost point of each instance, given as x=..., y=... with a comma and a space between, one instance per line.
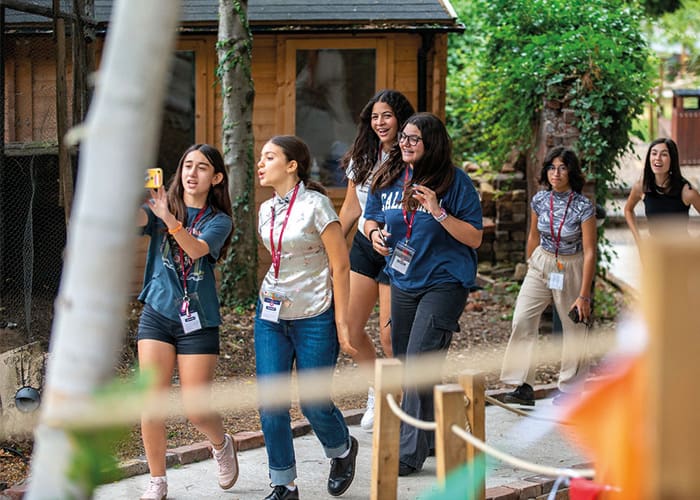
x=438, y=258
x=163, y=277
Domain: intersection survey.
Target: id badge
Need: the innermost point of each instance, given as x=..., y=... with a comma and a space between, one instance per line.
x=401, y=258
x=190, y=322
x=272, y=301
x=556, y=281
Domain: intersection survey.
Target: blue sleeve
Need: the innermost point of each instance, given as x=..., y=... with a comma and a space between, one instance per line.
x=463, y=201
x=373, y=209
x=215, y=232
x=150, y=226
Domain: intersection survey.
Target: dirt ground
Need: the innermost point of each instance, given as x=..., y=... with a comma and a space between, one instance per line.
x=485, y=329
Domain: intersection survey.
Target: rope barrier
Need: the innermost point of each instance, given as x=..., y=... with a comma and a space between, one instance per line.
x=87, y=411
x=519, y=463
x=496, y=402
x=405, y=417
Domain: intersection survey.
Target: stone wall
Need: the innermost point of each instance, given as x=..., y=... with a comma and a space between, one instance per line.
x=505, y=207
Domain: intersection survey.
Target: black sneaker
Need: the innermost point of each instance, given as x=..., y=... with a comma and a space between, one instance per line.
x=406, y=470
x=523, y=395
x=281, y=492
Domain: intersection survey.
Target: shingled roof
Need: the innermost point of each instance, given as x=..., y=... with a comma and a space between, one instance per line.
x=267, y=15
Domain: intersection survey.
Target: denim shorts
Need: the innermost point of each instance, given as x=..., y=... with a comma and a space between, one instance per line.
x=365, y=261
x=155, y=326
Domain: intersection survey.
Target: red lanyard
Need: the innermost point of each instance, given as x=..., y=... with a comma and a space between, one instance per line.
x=186, y=269
x=557, y=239
x=277, y=253
x=409, y=224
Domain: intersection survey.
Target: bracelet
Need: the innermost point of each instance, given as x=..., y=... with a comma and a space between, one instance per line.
x=371, y=232
x=587, y=299
x=442, y=216
x=177, y=228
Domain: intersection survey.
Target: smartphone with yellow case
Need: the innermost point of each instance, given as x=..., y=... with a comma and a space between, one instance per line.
x=154, y=178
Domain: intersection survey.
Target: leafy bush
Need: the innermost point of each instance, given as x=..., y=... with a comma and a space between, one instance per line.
x=589, y=54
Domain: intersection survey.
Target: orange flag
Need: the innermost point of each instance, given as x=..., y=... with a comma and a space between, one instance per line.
x=611, y=423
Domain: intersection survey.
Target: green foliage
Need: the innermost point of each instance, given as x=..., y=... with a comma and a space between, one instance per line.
x=93, y=461
x=589, y=55
x=604, y=304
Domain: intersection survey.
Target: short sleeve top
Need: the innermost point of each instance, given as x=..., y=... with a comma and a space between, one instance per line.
x=304, y=275
x=163, y=286
x=363, y=189
x=579, y=210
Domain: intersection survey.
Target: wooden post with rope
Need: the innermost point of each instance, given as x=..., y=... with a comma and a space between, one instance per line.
x=450, y=451
x=671, y=303
x=388, y=374
x=474, y=387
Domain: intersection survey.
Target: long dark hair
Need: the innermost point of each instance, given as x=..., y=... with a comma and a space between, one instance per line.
x=434, y=169
x=365, y=149
x=218, y=197
x=294, y=148
x=675, y=177
x=573, y=168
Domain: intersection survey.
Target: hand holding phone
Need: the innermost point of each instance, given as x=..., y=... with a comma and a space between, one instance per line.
x=154, y=178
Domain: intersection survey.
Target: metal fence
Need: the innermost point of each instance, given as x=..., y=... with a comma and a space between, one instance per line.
x=36, y=175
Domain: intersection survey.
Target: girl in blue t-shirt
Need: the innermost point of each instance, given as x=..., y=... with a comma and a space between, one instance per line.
x=190, y=229
x=424, y=215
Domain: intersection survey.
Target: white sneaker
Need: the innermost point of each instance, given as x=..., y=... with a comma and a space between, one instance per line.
x=157, y=489
x=367, y=422
x=227, y=461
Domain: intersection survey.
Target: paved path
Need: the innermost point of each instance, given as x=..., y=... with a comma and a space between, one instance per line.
x=537, y=441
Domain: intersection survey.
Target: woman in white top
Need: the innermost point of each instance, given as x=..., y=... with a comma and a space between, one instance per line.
x=375, y=143
x=301, y=314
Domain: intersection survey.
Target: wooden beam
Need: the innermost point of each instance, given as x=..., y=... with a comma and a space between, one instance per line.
x=450, y=451
x=670, y=304
x=474, y=387
x=50, y=12
x=388, y=374
x=65, y=170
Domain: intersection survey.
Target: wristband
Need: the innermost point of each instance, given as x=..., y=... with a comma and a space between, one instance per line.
x=442, y=216
x=371, y=232
x=177, y=228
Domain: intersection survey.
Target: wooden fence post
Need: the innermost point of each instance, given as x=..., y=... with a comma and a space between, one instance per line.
x=473, y=384
x=450, y=450
x=388, y=374
x=671, y=306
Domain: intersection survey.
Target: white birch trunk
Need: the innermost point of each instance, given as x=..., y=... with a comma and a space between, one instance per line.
x=119, y=143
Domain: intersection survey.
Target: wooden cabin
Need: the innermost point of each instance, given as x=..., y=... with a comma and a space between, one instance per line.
x=315, y=65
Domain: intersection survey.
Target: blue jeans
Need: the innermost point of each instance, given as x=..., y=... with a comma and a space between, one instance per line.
x=422, y=322
x=313, y=344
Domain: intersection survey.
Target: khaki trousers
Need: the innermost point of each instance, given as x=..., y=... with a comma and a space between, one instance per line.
x=535, y=295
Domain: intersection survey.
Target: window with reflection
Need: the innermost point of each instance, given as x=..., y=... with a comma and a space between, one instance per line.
x=332, y=86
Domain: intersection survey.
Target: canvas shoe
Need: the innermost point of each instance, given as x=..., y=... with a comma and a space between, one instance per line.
x=157, y=489
x=281, y=492
x=227, y=462
x=367, y=422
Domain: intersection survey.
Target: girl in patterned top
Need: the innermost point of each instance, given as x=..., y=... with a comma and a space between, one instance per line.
x=561, y=252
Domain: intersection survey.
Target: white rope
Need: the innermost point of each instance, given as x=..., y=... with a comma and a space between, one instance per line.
x=419, y=424
x=519, y=463
x=496, y=402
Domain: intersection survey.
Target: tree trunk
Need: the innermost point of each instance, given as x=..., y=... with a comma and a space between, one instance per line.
x=119, y=143
x=234, y=50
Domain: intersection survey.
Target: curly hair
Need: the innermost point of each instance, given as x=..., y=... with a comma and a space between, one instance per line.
x=365, y=149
